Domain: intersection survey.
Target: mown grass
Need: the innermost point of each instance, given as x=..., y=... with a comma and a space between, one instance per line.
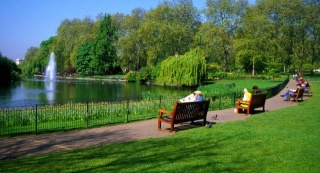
x=285, y=140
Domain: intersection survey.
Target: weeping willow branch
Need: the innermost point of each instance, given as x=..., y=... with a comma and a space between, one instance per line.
x=188, y=69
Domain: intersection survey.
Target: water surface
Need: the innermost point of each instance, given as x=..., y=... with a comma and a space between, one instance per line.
x=38, y=91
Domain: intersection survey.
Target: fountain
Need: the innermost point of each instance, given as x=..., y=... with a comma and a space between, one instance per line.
x=50, y=78
x=51, y=70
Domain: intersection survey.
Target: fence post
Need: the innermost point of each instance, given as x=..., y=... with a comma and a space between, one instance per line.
x=127, y=118
x=36, y=118
x=87, y=114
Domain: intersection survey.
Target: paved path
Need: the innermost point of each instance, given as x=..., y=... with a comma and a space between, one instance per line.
x=28, y=145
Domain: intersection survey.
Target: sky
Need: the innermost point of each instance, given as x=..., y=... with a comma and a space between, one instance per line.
x=26, y=23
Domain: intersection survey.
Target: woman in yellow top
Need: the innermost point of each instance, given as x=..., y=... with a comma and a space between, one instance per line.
x=246, y=95
x=244, y=100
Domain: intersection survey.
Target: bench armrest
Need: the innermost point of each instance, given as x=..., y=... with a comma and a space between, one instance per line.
x=242, y=101
x=163, y=111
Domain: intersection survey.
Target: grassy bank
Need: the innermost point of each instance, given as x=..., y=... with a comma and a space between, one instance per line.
x=285, y=140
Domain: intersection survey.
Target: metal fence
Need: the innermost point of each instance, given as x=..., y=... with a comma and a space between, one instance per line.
x=79, y=115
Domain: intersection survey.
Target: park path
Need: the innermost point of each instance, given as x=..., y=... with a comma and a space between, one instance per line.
x=28, y=145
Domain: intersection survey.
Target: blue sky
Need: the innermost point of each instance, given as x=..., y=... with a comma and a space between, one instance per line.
x=26, y=23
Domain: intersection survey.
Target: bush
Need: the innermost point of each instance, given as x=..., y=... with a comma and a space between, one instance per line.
x=131, y=76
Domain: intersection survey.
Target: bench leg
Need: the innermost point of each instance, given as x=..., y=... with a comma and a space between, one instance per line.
x=159, y=125
x=172, y=127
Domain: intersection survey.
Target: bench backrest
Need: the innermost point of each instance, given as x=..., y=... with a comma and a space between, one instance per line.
x=300, y=92
x=190, y=111
x=258, y=100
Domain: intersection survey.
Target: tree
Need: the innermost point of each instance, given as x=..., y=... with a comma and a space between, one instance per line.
x=169, y=29
x=255, y=42
x=131, y=46
x=26, y=66
x=8, y=70
x=188, y=69
x=36, y=59
x=84, y=57
x=226, y=15
x=103, y=48
x=71, y=34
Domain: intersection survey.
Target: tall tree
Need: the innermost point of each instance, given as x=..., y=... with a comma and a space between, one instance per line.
x=26, y=66
x=131, y=46
x=71, y=34
x=103, y=48
x=169, y=29
x=84, y=57
x=255, y=45
x=36, y=59
x=226, y=15
x=312, y=29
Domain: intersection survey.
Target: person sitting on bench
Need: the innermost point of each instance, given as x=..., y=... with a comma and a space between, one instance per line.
x=256, y=90
x=198, y=96
x=290, y=92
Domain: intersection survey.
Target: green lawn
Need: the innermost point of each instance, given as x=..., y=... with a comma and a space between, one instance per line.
x=285, y=140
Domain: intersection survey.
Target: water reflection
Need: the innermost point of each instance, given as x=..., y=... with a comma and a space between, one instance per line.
x=50, y=90
x=38, y=91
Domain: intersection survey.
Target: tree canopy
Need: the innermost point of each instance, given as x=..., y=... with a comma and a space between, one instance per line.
x=271, y=35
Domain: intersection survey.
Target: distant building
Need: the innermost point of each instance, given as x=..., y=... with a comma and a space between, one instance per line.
x=19, y=61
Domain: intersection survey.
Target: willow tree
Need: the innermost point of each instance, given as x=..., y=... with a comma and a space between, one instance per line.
x=185, y=70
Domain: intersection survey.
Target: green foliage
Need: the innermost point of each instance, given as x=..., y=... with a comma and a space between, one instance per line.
x=37, y=58
x=131, y=76
x=27, y=66
x=131, y=45
x=84, y=58
x=104, y=54
x=188, y=69
x=71, y=34
x=8, y=69
x=237, y=75
x=145, y=73
x=217, y=75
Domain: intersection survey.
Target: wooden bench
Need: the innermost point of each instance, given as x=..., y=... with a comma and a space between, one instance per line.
x=256, y=101
x=184, y=112
x=298, y=95
x=308, y=93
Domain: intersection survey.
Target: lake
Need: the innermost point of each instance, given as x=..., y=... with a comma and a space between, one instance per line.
x=38, y=91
